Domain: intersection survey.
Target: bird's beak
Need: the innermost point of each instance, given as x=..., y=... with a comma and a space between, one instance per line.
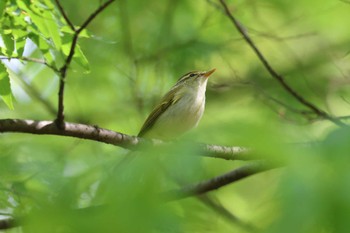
x=208, y=73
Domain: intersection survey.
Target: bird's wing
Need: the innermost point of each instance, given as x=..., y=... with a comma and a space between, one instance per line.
x=166, y=101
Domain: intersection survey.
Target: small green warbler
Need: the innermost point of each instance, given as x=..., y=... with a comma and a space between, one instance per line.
x=180, y=109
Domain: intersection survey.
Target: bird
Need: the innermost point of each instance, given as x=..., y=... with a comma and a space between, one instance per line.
x=180, y=109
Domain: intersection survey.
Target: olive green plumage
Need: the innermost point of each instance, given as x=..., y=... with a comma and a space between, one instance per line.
x=180, y=109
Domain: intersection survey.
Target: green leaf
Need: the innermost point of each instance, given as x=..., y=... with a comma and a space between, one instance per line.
x=45, y=22
x=5, y=87
x=53, y=30
x=67, y=43
x=20, y=43
x=81, y=60
x=9, y=43
x=83, y=34
x=49, y=4
x=2, y=6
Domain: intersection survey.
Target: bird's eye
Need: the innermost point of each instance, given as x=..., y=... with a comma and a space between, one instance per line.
x=192, y=75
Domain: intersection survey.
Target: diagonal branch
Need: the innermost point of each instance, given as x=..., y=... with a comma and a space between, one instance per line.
x=95, y=133
x=65, y=16
x=63, y=71
x=220, y=209
x=215, y=206
x=94, y=14
x=274, y=74
x=218, y=182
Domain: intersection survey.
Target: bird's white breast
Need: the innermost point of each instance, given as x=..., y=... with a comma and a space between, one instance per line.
x=184, y=114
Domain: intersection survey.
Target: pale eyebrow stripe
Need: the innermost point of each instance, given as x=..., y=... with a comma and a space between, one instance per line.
x=186, y=76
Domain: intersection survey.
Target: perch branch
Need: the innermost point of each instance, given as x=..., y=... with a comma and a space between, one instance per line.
x=95, y=133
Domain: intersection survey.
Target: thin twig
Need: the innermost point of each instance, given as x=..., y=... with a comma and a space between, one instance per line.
x=65, y=15
x=307, y=113
x=344, y=117
x=217, y=182
x=273, y=73
x=95, y=133
x=63, y=71
x=219, y=208
x=94, y=14
x=282, y=38
x=31, y=59
x=214, y=205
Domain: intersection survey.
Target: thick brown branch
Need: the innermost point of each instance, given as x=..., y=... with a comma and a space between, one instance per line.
x=70, y=129
x=225, y=152
x=95, y=133
x=273, y=73
x=218, y=182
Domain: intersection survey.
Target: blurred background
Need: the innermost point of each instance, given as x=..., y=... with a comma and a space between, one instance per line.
x=135, y=51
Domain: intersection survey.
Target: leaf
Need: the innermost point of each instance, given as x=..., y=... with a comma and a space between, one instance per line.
x=83, y=34
x=9, y=43
x=54, y=31
x=45, y=22
x=67, y=43
x=2, y=6
x=5, y=87
x=81, y=60
x=20, y=43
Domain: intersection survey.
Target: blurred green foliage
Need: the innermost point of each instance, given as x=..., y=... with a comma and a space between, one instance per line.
x=131, y=54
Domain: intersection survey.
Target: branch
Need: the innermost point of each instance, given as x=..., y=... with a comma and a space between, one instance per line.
x=94, y=14
x=344, y=117
x=220, y=209
x=65, y=15
x=95, y=133
x=215, y=205
x=274, y=74
x=7, y=223
x=218, y=182
x=225, y=152
x=31, y=59
x=63, y=71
